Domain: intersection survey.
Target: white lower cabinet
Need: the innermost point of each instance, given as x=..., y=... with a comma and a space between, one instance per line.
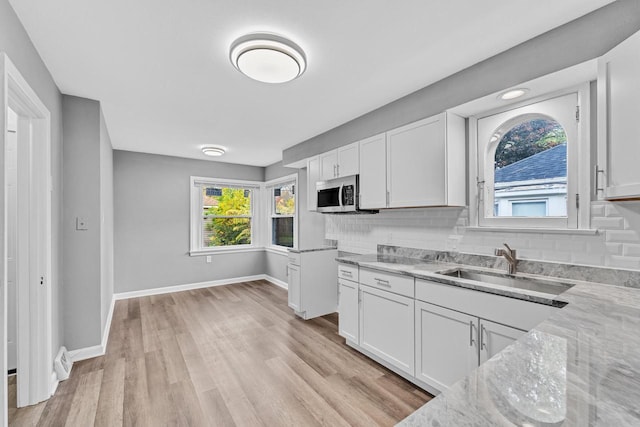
x=495, y=337
x=386, y=327
x=450, y=344
x=348, y=310
x=446, y=345
x=294, y=291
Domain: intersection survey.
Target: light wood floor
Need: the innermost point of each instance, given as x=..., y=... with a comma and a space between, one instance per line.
x=224, y=356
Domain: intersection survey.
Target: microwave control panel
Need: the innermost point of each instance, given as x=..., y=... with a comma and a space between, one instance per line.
x=348, y=196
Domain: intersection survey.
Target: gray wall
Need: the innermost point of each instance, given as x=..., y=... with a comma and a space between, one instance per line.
x=583, y=39
x=152, y=223
x=82, y=256
x=15, y=42
x=106, y=222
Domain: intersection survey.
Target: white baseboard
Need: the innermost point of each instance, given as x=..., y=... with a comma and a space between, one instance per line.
x=277, y=282
x=100, y=350
x=187, y=287
x=86, y=353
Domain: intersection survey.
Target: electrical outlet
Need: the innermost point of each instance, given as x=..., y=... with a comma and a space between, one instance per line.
x=208, y=259
x=81, y=223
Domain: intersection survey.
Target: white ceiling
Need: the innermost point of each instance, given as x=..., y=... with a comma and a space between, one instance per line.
x=162, y=72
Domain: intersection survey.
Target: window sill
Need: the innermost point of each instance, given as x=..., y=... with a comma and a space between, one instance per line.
x=279, y=250
x=574, y=231
x=232, y=250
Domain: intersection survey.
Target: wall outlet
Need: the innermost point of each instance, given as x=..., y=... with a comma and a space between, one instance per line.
x=81, y=223
x=208, y=259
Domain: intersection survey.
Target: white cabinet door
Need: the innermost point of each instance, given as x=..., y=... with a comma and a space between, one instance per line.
x=328, y=165
x=313, y=176
x=349, y=160
x=416, y=163
x=495, y=337
x=446, y=345
x=618, y=110
x=373, y=172
x=386, y=327
x=295, y=293
x=348, y=310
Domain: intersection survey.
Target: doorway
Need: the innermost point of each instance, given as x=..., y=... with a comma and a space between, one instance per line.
x=25, y=125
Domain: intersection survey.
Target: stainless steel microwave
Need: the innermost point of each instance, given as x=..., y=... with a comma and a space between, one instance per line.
x=340, y=195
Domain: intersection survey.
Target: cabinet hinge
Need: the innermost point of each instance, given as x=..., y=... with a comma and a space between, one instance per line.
x=577, y=113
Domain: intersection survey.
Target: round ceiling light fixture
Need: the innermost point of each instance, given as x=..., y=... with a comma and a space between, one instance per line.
x=513, y=94
x=213, y=151
x=268, y=58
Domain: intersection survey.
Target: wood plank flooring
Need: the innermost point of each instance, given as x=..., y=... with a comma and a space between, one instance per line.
x=224, y=356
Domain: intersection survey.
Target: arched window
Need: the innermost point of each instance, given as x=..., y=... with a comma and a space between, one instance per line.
x=530, y=169
x=527, y=165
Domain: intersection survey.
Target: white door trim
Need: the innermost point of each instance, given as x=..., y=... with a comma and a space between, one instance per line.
x=35, y=361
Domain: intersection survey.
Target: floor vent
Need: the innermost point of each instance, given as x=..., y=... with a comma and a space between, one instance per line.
x=62, y=364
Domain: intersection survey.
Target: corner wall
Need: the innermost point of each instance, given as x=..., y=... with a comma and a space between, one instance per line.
x=152, y=216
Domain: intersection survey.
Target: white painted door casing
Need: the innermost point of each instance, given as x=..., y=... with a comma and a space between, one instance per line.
x=386, y=327
x=348, y=310
x=618, y=112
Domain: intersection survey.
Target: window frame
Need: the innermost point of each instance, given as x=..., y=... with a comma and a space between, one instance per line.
x=270, y=214
x=578, y=170
x=197, y=221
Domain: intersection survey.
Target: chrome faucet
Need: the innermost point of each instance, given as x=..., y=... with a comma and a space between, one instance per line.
x=510, y=255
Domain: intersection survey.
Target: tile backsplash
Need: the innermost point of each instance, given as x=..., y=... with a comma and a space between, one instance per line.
x=617, y=243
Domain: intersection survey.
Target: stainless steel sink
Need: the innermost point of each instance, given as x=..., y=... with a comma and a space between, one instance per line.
x=537, y=285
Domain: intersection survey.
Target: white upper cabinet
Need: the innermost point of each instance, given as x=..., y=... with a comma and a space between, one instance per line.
x=343, y=161
x=373, y=172
x=426, y=163
x=348, y=160
x=328, y=165
x=618, y=110
x=313, y=176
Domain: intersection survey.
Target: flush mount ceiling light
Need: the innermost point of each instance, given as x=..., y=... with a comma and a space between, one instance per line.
x=513, y=94
x=268, y=58
x=213, y=151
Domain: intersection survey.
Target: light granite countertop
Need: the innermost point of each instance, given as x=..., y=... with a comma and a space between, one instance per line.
x=580, y=367
x=317, y=249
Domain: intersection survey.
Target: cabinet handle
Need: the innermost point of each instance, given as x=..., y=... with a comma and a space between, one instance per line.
x=597, y=173
x=337, y=170
x=382, y=281
x=287, y=270
x=483, y=344
x=346, y=273
x=334, y=171
x=471, y=328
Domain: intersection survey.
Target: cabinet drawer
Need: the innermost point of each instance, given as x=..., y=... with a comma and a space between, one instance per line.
x=395, y=283
x=507, y=311
x=294, y=258
x=348, y=272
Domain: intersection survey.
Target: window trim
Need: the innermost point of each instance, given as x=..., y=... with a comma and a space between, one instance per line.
x=270, y=214
x=196, y=220
x=580, y=164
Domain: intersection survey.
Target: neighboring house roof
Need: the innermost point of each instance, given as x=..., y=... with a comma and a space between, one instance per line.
x=551, y=163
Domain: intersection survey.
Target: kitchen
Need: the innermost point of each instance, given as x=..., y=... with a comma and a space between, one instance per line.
x=422, y=246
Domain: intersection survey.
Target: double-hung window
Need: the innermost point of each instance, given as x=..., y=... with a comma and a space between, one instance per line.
x=530, y=164
x=282, y=215
x=222, y=214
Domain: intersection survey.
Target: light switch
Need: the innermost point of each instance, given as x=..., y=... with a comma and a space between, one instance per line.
x=81, y=223
x=208, y=259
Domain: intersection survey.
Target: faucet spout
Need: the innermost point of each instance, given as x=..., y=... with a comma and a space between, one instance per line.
x=511, y=257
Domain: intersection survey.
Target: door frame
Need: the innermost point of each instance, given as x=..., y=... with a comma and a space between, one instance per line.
x=36, y=379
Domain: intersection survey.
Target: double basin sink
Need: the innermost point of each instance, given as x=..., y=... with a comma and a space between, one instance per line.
x=510, y=281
